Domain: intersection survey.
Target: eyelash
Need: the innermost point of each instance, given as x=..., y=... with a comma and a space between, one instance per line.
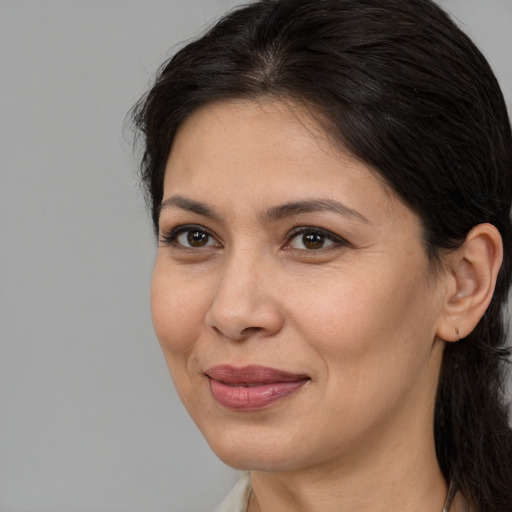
x=336, y=240
x=170, y=238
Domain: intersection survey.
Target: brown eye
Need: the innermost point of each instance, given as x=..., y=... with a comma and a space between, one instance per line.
x=197, y=238
x=192, y=239
x=313, y=240
x=188, y=237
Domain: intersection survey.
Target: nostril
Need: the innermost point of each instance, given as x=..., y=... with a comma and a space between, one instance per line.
x=250, y=330
x=238, y=335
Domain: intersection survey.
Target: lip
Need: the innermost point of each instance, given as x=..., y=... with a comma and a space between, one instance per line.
x=250, y=388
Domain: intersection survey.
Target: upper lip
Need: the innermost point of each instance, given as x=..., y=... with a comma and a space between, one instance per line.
x=251, y=375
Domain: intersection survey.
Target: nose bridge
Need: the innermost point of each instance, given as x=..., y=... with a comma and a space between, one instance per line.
x=244, y=303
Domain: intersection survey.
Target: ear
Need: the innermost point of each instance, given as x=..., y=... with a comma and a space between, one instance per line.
x=472, y=270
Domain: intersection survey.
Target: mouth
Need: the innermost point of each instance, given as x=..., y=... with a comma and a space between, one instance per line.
x=252, y=387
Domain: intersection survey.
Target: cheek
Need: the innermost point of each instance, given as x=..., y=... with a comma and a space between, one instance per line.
x=177, y=313
x=177, y=310
x=367, y=325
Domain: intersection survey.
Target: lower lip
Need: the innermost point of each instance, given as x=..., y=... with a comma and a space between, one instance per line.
x=255, y=397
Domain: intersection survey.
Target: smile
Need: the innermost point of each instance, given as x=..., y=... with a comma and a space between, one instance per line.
x=252, y=387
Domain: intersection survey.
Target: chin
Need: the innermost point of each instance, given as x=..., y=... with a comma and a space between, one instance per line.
x=257, y=461
x=255, y=451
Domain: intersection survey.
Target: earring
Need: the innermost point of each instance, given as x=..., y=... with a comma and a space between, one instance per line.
x=457, y=333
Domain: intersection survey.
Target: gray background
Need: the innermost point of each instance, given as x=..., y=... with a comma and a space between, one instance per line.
x=88, y=417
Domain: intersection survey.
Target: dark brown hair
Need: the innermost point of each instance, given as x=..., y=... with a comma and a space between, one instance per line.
x=403, y=89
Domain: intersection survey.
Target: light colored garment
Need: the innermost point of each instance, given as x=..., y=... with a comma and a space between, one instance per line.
x=238, y=498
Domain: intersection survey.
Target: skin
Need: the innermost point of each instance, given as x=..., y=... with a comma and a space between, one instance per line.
x=360, y=316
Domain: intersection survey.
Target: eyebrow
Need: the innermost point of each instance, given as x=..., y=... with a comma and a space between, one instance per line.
x=272, y=214
x=191, y=206
x=312, y=205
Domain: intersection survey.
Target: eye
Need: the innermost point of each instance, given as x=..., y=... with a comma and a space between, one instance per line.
x=194, y=238
x=313, y=239
x=189, y=237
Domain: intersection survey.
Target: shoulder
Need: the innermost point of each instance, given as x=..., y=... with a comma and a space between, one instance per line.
x=238, y=499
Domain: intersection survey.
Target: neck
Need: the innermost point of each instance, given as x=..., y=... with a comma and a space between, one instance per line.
x=405, y=477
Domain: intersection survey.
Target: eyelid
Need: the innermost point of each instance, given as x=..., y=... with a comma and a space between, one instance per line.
x=337, y=240
x=168, y=237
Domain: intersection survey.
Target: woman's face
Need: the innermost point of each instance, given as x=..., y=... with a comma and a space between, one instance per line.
x=291, y=295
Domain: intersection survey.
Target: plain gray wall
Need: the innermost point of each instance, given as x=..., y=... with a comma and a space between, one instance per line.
x=89, y=421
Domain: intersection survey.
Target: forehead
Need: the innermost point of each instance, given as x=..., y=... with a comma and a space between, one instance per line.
x=249, y=127
x=268, y=149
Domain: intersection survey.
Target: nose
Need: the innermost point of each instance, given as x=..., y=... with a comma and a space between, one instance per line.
x=246, y=302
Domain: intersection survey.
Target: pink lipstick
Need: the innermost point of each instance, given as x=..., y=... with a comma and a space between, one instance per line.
x=252, y=387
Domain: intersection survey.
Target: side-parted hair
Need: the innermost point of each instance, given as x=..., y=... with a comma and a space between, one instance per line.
x=399, y=86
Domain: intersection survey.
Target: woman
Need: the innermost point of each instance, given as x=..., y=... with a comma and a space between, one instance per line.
x=330, y=184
